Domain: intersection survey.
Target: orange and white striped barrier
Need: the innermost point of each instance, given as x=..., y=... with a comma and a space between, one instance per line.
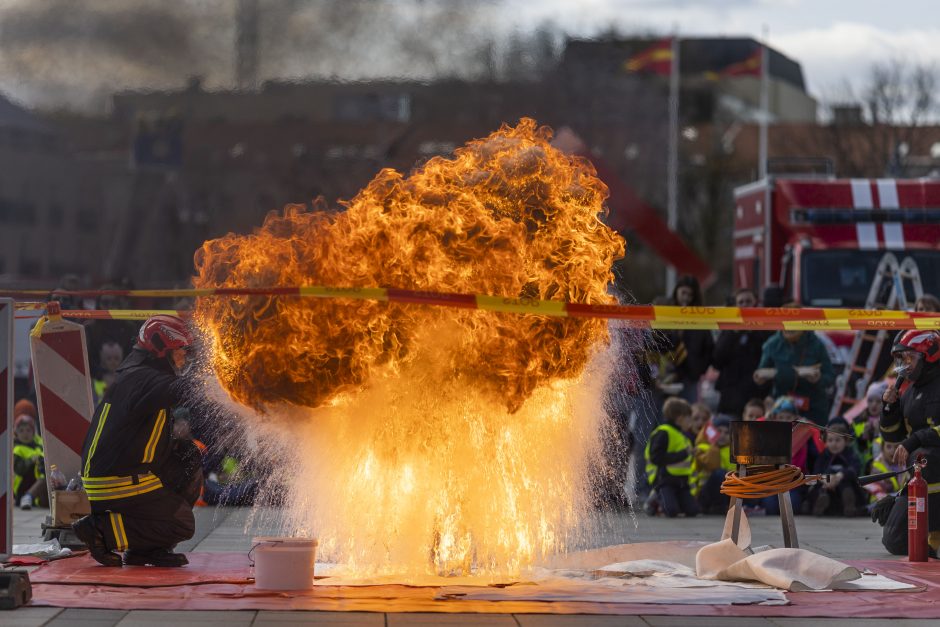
x=639, y=316
x=63, y=388
x=6, y=427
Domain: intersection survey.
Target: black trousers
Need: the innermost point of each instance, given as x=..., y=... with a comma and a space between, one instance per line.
x=157, y=520
x=676, y=499
x=894, y=535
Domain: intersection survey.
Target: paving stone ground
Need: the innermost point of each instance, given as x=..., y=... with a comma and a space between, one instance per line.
x=223, y=529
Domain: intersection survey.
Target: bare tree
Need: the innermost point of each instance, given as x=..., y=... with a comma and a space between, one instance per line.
x=874, y=131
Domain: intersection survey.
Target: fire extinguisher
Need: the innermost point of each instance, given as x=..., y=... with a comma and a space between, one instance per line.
x=917, y=515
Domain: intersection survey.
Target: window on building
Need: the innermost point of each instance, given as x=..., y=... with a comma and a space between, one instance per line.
x=353, y=151
x=373, y=107
x=432, y=148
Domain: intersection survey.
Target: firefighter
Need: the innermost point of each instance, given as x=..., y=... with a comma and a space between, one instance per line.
x=131, y=467
x=912, y=419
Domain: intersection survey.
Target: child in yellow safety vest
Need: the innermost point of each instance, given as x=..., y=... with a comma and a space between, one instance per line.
x=669, y=462
x=880, y=464
x=867, y=424
x=29, y=480
x=712, y=461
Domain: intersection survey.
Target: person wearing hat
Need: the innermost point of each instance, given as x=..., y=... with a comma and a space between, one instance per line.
x=711, y=462
x=130, y=461
x=867, y=425
x=29, y=479
x=910, y=414
x=27, y=407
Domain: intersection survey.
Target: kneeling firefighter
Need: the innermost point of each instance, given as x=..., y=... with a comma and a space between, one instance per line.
x=912, y=419
x=140, y=482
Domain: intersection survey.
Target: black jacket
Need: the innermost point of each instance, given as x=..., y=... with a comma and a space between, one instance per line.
x=914, y=421
x=131, y=429
x=736, y=356
x=692, y=350
x=846, y=462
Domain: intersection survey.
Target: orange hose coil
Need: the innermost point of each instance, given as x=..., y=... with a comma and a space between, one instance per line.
x=766, y=481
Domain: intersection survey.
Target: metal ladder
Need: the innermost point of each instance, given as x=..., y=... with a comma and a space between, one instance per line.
x=893, y=287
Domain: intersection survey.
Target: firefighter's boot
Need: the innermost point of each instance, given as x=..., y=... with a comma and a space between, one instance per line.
x=154, y=557
x=88, y=532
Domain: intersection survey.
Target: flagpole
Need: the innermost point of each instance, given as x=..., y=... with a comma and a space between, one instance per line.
x=672, y=165
x=764, y=106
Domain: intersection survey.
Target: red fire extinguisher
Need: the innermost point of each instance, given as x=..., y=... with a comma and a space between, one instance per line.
x=917, y=515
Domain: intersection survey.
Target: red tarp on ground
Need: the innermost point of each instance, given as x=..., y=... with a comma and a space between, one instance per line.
x=81, y=583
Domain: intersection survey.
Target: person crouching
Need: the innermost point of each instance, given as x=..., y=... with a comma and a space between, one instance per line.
x=669, y=461
x=840, y=494
x=130, y=463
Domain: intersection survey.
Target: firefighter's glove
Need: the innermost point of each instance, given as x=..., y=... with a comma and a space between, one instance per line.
x=879, y=513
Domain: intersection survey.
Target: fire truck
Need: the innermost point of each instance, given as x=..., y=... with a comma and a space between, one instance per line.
x=820, y=238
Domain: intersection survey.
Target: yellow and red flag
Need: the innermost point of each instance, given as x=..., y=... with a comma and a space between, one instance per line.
x=751, y=66
x=657, y=59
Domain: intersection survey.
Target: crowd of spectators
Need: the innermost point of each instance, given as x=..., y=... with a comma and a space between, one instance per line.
x=702, y=381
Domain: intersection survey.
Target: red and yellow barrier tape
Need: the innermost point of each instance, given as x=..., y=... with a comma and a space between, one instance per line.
x=638, y=316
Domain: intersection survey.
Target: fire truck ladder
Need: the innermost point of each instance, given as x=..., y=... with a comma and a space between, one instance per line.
x=895, y=286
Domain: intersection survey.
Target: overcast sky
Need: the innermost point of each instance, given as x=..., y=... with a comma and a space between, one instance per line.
x=834, y=40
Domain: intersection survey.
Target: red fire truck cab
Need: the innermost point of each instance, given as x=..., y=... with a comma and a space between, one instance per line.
x=820, y=239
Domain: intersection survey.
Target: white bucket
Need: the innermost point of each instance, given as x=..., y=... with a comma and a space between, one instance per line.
x=284, y=563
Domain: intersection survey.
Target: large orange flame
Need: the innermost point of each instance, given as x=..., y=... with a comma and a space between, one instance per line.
x=428, y=438
x=509, y=216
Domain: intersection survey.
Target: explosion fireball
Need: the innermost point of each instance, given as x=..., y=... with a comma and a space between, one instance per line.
x=428, y=439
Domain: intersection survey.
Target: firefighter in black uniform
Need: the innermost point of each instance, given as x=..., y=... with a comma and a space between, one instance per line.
x=130, y=466
x=912, y=419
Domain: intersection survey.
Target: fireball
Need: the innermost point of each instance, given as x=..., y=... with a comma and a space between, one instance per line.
x=428, y=438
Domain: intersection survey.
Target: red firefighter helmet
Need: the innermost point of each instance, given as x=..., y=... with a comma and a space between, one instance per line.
x=161, y=334
x=927, y=343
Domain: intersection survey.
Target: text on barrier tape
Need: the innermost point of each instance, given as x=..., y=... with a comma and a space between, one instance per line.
x=640, y=316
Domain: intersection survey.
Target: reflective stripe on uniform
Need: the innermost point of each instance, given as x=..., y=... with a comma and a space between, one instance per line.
x=117, y=528
x=123, y=493
x=890, y=429
x=93, y=483
x=151, y=447
x=94, y=442
x=110, y=488
x=933, y=488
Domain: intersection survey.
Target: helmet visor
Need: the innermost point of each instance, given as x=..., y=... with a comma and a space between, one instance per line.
x=907, y=364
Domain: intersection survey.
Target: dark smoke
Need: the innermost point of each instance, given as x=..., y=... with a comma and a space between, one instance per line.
x=66, y=53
